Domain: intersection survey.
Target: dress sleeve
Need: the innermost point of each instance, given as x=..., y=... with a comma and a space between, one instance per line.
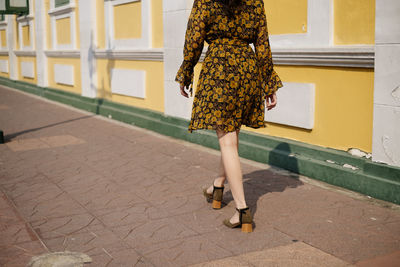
x=194, y=43
x=270, y=79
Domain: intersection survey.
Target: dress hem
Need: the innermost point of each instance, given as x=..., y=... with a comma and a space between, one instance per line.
x=214, y=128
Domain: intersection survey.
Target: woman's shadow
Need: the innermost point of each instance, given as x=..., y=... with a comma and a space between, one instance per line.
x=275, y=179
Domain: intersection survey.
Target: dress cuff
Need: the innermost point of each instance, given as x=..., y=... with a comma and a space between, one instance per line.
x=184, y=75
x=273, y=84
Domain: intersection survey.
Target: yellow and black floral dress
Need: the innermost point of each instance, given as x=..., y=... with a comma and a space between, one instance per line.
x=234, y=79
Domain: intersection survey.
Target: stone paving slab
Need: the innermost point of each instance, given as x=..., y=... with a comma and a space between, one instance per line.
x=18, y=243
x=72, y=181
x=293, y=255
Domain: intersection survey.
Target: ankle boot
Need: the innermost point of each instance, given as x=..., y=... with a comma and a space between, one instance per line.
x=216, y=196
x=245, y=220
x=218, y=193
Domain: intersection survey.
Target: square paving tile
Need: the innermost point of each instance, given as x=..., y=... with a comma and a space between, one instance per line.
x=149, y=233
x=183, y=252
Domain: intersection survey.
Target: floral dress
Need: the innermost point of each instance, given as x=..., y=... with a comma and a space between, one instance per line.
x=234, y=78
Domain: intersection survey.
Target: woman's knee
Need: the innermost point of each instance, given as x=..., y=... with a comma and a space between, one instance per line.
x=227, y=139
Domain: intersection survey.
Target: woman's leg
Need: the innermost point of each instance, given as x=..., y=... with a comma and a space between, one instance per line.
x=220, y=180
x=228, y=143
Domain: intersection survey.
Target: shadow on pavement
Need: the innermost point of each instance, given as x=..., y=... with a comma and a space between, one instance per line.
x=259, y=183
x=9, y=137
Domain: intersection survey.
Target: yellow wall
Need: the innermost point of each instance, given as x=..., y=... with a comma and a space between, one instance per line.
x=16, y=33
x=3, y=37
x=2, y=74
x=26, y=41
x=63, y=27
x=343, y=107
x=27, y=59
x=128, y=20
x=354, y=22
x=77, y=35
x=157, y=23
x=77, y=74
x=154, y=83
x=47, y=7
x=286, y=16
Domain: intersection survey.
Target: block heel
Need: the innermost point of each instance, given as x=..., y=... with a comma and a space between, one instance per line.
x=247, y=228
x=218, y=193
x=215, y=197
x=216, y=204
x=245, y=220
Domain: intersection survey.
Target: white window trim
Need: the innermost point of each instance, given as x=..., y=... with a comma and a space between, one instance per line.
x=65, y=11
x=143, y=42
x=3, y=26
x=26, y=20
x=319, y=28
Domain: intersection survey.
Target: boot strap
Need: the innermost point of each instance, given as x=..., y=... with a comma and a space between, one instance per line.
x=241, y=211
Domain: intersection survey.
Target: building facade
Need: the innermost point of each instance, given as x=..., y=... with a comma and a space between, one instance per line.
x=338, y=59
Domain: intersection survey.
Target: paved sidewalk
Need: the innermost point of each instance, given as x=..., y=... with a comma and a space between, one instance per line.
x=71, y=181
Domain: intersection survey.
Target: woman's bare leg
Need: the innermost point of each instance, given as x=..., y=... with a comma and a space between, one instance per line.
x=220, y=180
x=228, y=143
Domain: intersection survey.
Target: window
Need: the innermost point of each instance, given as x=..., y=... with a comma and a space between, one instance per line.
x=26, y=34
x=58, y=3
x=63, y=24
x=121, y=13
x=3, y=32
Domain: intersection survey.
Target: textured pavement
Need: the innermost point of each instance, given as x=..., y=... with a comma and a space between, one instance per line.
x=71, y=181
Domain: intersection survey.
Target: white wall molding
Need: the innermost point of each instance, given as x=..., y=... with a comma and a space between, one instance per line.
x=358, y=57
x=128, y=82
x=3, y=65
x=4, y=53
x=25, y=18
x=153, y=54
x=146, y=39
x=21, y=53
x=64, y=74
x=63, y=53
x=27, y=69
x=62, y=9
x=349, y=56
x=296, y=106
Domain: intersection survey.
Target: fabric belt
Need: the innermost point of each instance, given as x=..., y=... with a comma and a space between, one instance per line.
x=230, y=41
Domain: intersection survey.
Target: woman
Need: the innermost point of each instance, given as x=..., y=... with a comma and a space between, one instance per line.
x=233, y=83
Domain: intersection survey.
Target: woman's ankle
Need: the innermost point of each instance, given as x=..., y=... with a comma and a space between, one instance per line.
x=219, y=182
x=241, y=205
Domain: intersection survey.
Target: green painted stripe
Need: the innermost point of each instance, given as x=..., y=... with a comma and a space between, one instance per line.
x=373, y=179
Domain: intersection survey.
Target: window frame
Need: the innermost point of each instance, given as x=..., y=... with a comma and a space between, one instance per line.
x=3, y=26
x=60, y=12
x=126, y=44
x=26, y=20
